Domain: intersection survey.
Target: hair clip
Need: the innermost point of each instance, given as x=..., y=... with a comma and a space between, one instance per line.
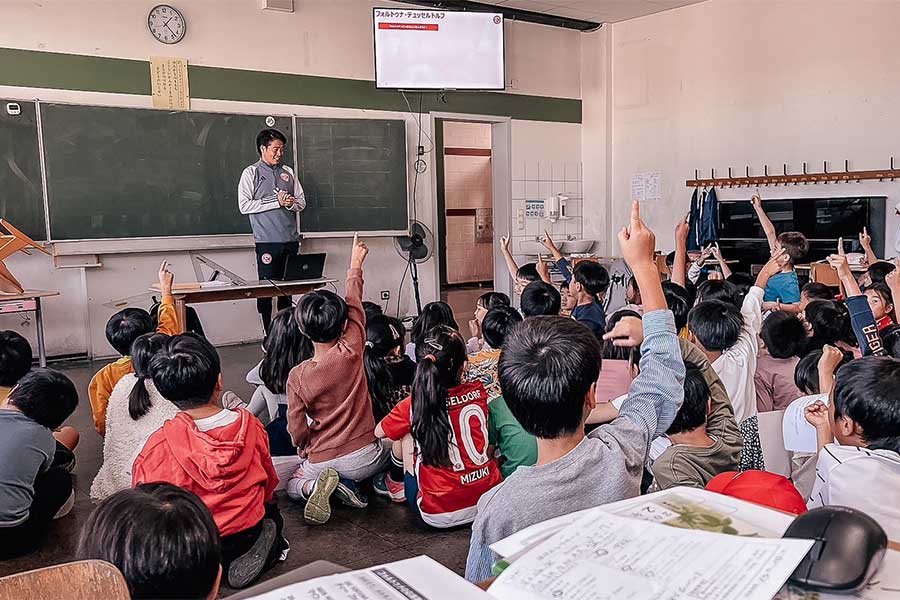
x=434, y=344
x=394, y=332
x=369, y=344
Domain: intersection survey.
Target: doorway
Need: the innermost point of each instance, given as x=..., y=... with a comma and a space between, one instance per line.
x=465, y=206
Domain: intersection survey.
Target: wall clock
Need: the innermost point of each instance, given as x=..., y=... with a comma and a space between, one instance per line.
x=166, y=24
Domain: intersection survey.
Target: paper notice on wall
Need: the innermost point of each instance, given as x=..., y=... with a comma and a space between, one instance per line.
x=646, y=187
x=169, y=83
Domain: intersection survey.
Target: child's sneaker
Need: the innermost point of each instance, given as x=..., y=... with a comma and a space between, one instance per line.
x=387, y=487
x=318, y=506
x=349, y=494
x=232, y=401
x=248, y=566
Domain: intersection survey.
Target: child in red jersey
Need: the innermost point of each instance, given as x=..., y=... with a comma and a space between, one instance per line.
x=448, y=478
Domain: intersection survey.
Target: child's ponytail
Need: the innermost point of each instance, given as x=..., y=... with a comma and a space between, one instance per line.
x=143, y=350
x=441, y=354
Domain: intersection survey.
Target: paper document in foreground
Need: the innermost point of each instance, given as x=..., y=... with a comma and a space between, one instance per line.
x=603, y=556
x=419, y=578
x=689, y=508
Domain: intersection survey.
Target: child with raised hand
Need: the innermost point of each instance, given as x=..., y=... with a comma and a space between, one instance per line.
x=336, y=442
x=728, y=337
x=448, y=422
x=219, y=454
x=122, y=329
x=33, y=490
x=433, y=314
x=862, y=320
x=587, y=282
x=521, y=276
x=548, y=372
x=540, y=299
x=389, y=372
x=782, y=287
x=136, y=410
x=162, y=539
x=285, y=347
x=861, y=470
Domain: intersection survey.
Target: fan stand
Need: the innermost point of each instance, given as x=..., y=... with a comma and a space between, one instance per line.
x=414, y=271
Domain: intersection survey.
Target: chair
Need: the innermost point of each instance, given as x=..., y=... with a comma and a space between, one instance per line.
x=771, y=437
x=821, y=272
x=82, y=580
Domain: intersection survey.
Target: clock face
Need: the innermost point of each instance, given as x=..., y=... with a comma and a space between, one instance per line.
x=166, y=24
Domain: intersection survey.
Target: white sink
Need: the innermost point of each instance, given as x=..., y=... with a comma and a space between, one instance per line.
x=576, y=246
x=532, y=248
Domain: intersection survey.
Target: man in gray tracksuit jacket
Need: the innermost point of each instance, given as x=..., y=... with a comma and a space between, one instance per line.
x=270, y=193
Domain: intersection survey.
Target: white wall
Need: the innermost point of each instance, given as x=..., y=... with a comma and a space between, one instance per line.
x=323, y=37
x=733, y=83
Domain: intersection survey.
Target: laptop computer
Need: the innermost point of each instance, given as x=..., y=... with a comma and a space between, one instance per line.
x=302, y=267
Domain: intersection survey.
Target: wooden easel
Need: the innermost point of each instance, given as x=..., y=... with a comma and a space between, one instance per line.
x=14, y=241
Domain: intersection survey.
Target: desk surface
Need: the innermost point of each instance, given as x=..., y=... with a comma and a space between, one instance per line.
x=28, y=295
x=250, y=286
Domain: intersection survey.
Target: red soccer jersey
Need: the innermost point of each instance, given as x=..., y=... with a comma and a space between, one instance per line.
x=448, y=495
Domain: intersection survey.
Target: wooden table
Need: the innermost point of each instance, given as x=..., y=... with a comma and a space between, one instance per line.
x=28, y=301
x=248, y=291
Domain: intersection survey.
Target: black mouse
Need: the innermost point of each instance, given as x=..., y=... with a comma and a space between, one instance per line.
x=849, y=546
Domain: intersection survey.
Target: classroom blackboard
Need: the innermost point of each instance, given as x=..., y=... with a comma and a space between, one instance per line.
x=353, y=173
x=124, y=172
x=21, y=193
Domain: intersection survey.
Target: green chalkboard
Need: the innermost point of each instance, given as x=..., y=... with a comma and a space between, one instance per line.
x=354, y=174
x=125, y=172
x=21, y=194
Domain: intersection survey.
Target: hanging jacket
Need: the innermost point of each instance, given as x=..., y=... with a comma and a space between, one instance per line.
x=703, y=220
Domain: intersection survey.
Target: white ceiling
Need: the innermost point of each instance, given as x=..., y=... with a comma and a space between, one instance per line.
x=600, y=11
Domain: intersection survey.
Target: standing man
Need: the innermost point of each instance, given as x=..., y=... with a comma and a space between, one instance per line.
x=271, y=195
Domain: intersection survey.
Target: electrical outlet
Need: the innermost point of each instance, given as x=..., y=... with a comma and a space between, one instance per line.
x=385, y=294
x=420, y=151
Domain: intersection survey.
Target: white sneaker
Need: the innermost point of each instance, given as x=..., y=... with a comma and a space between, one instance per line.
x=231, y=401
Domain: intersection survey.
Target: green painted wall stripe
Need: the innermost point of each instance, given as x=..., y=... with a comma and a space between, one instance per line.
x=29, y=68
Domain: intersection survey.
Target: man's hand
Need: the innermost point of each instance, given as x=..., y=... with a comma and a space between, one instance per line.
x=637, y=241
x=628, y=332
x=358, y=253
x=166, y=277
x=682, y=230
x=817, y=415
x=285, y=199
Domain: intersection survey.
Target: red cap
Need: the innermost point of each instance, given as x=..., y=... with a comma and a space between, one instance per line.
x=760, y=487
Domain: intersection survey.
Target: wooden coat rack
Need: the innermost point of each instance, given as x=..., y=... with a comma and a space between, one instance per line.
x=845, y=176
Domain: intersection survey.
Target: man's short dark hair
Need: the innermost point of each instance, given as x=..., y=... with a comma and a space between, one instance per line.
x=695, y=408
x=715, y=324
x=717, y=289
x=865, y=390
x=45, y=396
x=879, y=270
x=186, y=371
x=539, y=298
x=162, y=538
x=592, y=276
x=546, y=370
x=817, y=291
x=679, y=302
x=528, y=272
x=266, y=137
x=15, y=358
x=784, y=335
x=126, y=326
x=321, y=315
x=498, y=323
x=795, y=245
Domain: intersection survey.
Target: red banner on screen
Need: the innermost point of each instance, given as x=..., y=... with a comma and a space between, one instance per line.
x=410, y=26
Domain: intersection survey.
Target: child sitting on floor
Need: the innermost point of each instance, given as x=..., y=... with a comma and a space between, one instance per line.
x=862, y=470
x=136, y=410
x=540, y=299
x=784, y=338
x=389, y=372
x=122, y=329
x=515, y=446
x=285, y=348
x=588, y=281
x=548, y=370
x=329, y=411
x=161, y=538
x=433, y=314
x=728, y=337
x=485, y=302
x=452, y=467
x=221, y=455
x=33, y=489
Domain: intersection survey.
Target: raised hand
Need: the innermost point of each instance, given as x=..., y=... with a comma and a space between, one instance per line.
x=830, y=359
x=682, y=230
x=638, y=242
x=358, y=253
x=628, y=332
x=865, y=240
x=817, y=415
x=504, y=243
x=166, y=277
x=756, y=201
x=839, y=263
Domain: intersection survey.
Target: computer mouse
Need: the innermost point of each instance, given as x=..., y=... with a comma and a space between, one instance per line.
x=849, y=546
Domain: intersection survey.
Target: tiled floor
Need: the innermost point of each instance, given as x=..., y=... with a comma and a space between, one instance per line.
x=355, y=538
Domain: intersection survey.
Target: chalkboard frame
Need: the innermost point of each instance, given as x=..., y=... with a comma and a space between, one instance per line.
x=137, y=244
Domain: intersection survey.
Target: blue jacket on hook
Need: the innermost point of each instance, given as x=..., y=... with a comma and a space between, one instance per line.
x=704, y=219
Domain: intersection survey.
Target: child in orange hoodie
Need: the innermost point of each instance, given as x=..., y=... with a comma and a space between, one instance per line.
x=121, y=330
x=220, y=455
